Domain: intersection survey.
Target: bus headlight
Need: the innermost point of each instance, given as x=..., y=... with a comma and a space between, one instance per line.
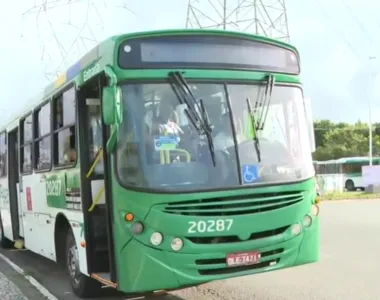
x=296, y=229
x=307, y=221
x=177, y=244
x=314, y=211
x=156, y=238
x=137, y=228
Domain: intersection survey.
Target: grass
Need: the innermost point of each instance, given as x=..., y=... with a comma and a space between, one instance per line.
x=349, y=195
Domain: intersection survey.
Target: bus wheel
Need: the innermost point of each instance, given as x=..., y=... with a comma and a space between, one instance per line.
x=4, y=242
x=350, y=186
x=82, y=285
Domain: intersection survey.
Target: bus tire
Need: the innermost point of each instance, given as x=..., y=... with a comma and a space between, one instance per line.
x=350, y=186
x=4, y=242
x=82, y=285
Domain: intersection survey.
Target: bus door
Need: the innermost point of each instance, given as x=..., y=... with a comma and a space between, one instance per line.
x=95, y=168
x=98, y=232
x=14, y=185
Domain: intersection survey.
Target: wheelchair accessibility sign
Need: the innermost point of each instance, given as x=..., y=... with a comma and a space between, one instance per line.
x=249, y=173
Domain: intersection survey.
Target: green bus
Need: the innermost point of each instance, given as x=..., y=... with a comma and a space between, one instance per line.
x=162, y=160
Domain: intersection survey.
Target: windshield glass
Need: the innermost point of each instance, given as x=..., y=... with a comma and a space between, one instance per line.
x=160, y=148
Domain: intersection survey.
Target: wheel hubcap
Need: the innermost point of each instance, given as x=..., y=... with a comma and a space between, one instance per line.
x=73, y=263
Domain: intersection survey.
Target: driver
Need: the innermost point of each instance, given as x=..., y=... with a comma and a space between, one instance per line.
x=166, y=123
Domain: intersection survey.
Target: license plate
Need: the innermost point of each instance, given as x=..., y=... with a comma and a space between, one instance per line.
x=243, y=258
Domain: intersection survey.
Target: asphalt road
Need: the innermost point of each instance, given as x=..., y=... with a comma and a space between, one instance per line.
x=14, y=286
x=347, y=269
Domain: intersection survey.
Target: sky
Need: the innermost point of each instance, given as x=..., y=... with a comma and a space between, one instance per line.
x=335, y=38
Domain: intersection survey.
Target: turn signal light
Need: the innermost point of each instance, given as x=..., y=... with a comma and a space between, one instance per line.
x=129, y=217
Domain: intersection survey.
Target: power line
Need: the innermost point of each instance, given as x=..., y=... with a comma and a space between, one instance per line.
x=358, y=23
x=62, y=43
x=264, y=17
x=327, y=16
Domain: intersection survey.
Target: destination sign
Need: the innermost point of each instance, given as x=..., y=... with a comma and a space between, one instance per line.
x=211, y=52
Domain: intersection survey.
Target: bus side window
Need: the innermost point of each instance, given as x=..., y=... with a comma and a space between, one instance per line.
x=42, y=143
x=323, y=169
x=64, y=124
x=3, y=154
x=95, y=139
x=26, y=141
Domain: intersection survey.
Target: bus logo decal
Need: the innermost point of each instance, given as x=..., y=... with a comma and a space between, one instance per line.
x=4, y=196
x=87, y=74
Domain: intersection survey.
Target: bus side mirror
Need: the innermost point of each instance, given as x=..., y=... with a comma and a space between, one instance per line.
x=108, y=105
x=310, y=123
x=111, y=105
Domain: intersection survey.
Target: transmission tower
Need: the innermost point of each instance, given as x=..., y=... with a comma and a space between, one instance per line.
x=264, y=17
x=66, y=29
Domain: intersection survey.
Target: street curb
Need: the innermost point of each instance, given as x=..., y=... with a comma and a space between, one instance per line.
x=31, y=279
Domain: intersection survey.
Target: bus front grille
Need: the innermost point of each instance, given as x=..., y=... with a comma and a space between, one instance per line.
x=238, y=205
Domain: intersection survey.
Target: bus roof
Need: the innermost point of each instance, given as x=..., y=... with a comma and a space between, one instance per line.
x=326, y=162
x=356, y=159
x=103, y=55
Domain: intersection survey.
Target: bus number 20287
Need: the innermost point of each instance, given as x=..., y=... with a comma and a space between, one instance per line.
x=210, y=226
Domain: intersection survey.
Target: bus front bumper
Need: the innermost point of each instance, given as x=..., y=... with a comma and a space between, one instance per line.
x=148, y=269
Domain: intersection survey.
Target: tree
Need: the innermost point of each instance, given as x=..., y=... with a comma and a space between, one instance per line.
x=335, y=140
x=320, y=128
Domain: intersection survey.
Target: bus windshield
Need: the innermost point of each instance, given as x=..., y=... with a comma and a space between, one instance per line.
x=161, y=147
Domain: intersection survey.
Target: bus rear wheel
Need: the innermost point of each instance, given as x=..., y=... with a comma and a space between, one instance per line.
x=82, y=285
x=350, y=186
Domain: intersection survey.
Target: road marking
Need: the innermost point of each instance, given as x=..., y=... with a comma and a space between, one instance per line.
x=31, y=279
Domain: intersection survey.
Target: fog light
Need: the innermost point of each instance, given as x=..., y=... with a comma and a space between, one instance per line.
x=137, y=228
x=177, y=244
x=156, y=238
x=307, y=221
x=296, y=229
x=314, y=211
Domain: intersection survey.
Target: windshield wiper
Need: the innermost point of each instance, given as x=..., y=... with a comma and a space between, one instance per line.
x=255, y=137
x=265, y=102
x=182, y=94
x=196, y=112
x=208, y=132
x=264, y=105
